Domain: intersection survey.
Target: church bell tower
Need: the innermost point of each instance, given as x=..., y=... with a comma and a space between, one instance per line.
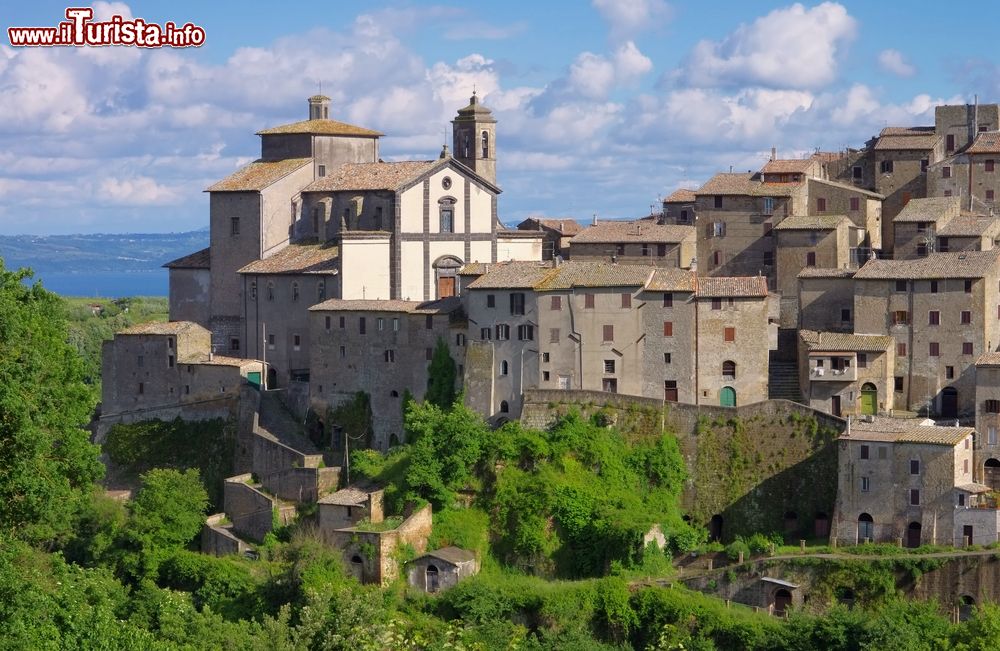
x=474, y=139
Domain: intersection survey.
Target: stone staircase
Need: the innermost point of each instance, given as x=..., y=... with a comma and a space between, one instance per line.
x=783, y=380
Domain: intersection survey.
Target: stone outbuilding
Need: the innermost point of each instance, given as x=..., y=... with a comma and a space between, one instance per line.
x=441, y=569
x=348, y=506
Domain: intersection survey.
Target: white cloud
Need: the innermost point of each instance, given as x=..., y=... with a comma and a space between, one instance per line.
x=627, y=18
x=136, y=191
x=788, y=48
x=893, y=62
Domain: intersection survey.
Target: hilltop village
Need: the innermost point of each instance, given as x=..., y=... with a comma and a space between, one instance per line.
x=859, y=288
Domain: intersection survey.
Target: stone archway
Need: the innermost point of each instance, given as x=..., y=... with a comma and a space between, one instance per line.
x=913, y=535
x=991, y=473
x=446, y=275
x=782, y=602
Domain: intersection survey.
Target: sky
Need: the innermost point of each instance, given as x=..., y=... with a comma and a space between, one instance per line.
x=603, y=107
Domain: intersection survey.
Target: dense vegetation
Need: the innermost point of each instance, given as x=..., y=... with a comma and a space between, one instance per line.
x=79, y=570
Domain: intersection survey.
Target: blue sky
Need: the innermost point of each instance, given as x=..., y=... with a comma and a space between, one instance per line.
x=603, y=106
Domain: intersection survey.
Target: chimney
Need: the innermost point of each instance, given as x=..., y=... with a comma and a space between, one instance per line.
x=561, y=224
x=694, y=265
x=319, y=107
x=444, y=152
x=774, y=153
x=848, y=426
x=594, y=222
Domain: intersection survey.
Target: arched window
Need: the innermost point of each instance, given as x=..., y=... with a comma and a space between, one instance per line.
x=504, y=367
x=394, y=394
x=486, y=144
x=270, y=290
x=321, y=291
x=504, y=407
x=295, y=291
x=253, y=290
x=729, y=370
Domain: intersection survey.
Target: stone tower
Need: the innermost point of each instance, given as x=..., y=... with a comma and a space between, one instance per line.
x=474, y=139
x=319, y=107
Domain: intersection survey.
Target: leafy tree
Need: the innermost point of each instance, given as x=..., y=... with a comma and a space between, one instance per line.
x=441, y=377
x=47, y=462
x=169, y=509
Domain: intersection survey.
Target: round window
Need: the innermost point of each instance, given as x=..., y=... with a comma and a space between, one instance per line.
x=446, y=183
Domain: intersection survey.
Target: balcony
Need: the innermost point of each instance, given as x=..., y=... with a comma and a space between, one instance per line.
x=833, y=367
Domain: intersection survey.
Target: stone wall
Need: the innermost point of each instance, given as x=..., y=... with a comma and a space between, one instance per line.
x=748, y=466
x=251, y=510
x=218, y=540
x=377, y=549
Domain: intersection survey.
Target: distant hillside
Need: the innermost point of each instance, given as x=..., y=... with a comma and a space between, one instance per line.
x=98, y=253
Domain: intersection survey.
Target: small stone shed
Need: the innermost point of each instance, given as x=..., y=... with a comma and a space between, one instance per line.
x=350, y=505
x=441, y=569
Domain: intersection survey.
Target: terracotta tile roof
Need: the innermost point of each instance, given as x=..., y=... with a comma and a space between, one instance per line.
x=974, y=488
x=633, y=231
x=987, y=142
x=902, y=430
x=162, y=328
x=511, y=275
x=258, y=175
x=218, y=360
x=907, y=142
x=821, y=272
x=748, y=184
x=440, y=306
x=967, y=264
x=988, y=359
x=349, y=496
x=594, y=274
x=847, y=186
x=473, y=268
x=453, y=555
x=906, y=131
x=321, y=127
x=298, y=259
x=968, y=225
x=788, y=166
x=732, y=286
x=931, y=209
x=197, y=260
x=811, y=223
x=371, y=176
x=672, y=280
x=841, y=341
x=683, y=195
x=564, y=226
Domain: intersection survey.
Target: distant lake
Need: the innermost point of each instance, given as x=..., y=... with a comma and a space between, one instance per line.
x=106, y=284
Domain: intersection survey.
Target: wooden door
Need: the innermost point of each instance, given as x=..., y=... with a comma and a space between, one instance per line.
x=446, y=286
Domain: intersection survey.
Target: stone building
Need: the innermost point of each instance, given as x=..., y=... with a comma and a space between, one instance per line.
x=441, y=569
x=382, y=348
x=319, y=215
x=808, y=242
x=155, y=366
x=970, y=174
x=349, y=506
x=638, y=242
x=847, y=374
x=969, y=232
x=638, y=330
x=942, y=311
x=988, y=419
x=917, y=225
x=900, y=157
x=826, y=299
x=557, y=234
x=679, y=208
x=902, y=480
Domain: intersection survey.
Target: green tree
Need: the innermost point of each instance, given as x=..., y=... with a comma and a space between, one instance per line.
x=169, y=509
x=47, y=462
x=441, y=377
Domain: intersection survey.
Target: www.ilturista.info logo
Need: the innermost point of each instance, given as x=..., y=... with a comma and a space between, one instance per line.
x=79, y=30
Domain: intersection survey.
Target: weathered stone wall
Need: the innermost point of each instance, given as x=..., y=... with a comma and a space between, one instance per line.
x=250, y=510
x=218, y=540
x=750, y=466
x=377, y=549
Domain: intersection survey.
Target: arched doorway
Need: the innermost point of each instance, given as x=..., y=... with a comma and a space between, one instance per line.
x=966, y=605
x=991, y=473
x=272, y=379
x=949, y=402
x=446, y=270
x=431, y=579
x=866, y=529
x=782, y=602
x=791, y=521
x=913, y=535
x=715, y=528
x=869, y=399
x=821, y=525
x=727, y=397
